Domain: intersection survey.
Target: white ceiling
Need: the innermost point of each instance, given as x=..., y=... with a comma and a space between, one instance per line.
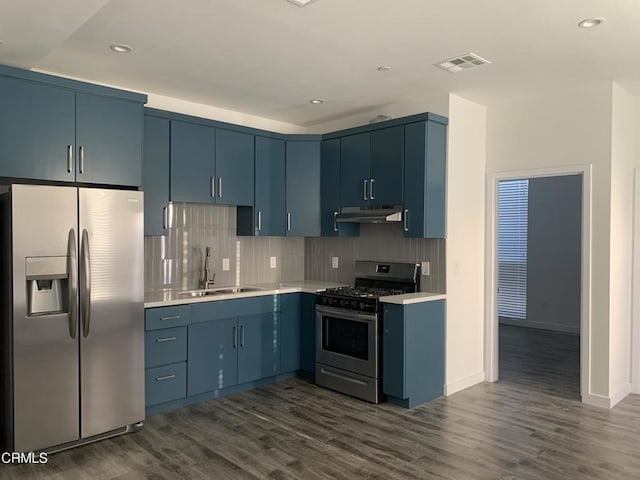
x=269, y=57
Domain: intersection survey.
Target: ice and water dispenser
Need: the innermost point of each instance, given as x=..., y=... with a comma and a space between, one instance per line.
x=47, y=285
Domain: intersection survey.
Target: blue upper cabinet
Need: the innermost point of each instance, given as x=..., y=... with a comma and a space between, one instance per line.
x=355, y=174
x=155, y=175
x=330, y=192
x=57, y=129
x=303, y=188
x=234, y=167
x=268, y=218
x=109, y=135
x=37, y=125
x=387, y=158
x=425, y=179
x=192, y=162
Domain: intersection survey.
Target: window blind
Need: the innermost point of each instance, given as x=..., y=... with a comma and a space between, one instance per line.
x=513, y=196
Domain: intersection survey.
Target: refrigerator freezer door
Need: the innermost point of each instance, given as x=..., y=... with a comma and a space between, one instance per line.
x=111, y=335
x=45, y=361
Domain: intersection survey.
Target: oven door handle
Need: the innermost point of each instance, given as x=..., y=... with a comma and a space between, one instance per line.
x=348, y=314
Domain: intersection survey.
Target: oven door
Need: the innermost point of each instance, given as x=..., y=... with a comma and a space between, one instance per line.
x=347, y=339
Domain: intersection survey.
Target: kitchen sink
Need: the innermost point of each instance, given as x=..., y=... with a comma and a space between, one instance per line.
x=218, y=291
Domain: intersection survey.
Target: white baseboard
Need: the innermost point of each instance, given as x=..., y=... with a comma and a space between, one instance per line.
x=607, y=402
x=541, y=325
x=451, y=388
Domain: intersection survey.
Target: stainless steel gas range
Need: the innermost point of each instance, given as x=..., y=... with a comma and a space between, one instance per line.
x=349, y=328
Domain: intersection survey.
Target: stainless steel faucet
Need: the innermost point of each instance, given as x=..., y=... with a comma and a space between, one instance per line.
x=208, y=279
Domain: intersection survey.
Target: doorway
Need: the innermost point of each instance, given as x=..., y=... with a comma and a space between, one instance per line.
x=581, y=326
x=539, y=237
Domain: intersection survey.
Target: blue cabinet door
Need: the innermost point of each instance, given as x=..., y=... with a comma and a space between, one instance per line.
x=155, y=175
x=109, y=137
x=387, y=159
x=269, y=213
x=234, y=167
x=290, y=333
x=425, y=179
x=258, y=353
x=308, y=333
x=330, y=192
x=303, y=188
x=192, y=163
x=212, y=356
x=355, y=153
x=37, y=130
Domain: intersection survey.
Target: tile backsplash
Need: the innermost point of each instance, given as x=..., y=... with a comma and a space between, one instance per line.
x=176, y=260
x=383, y=242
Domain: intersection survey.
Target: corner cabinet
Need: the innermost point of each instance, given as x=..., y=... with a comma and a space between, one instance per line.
x=425, y=164
x=303, y=188
x=330, y=193
x=414, y=352
x=57, y=129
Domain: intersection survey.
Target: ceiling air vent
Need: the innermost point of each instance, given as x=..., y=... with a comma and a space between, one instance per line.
x=463, y=62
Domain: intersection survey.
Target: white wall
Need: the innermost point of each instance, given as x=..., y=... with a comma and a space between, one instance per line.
x=564, y=128
x=465, y=244
x=624, y=132
x=554, y=240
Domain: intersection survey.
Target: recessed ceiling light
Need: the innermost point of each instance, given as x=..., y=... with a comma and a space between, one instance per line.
x=301, y=3
x=119, y=48
x=591, y=22
x=316, y=101
x=384, y=68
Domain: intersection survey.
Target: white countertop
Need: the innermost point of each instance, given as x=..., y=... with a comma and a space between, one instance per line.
x=168, y=297
x=409, y=298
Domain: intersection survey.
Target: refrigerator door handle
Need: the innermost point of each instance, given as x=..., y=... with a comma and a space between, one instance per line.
x=72, y=272
x=85, y=292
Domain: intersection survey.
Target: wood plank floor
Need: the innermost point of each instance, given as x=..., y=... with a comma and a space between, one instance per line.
x=529, y=425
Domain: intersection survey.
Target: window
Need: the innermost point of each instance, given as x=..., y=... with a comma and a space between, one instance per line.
x=513, y=196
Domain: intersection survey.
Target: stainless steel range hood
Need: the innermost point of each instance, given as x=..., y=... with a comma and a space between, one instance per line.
x=369, y=215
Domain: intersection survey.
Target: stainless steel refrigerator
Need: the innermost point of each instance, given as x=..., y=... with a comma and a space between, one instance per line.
x=72, y=284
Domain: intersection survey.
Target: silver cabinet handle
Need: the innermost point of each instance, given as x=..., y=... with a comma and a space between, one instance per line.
x=166, y=339
x=72, y=267
x=235, y=337
x=166, y=377
x=165, y=217
x=288, y=221
x=85, y=282
x=335, y=223
x=81, y=158
x=259, y=220
x=242, y=335
x=365, y=187
x=69, y=158
x=175, y=317
x=406, y=220
x=219, y=187
x=371, y=189
x=213, y=187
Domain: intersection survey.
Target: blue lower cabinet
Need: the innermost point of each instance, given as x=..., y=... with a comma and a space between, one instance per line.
x=414, y=352
x=212, y=355
x=258, y=353
x=290, y=333
x=166, y=383
x=168, y=345
x=308, y=333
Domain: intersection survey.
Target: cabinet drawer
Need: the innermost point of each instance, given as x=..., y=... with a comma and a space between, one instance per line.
x=166, y=317
x=241, y=307
x=163, y=384
x=168, y=345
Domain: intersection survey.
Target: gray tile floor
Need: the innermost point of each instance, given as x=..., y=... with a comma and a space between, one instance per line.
x=529, y=425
